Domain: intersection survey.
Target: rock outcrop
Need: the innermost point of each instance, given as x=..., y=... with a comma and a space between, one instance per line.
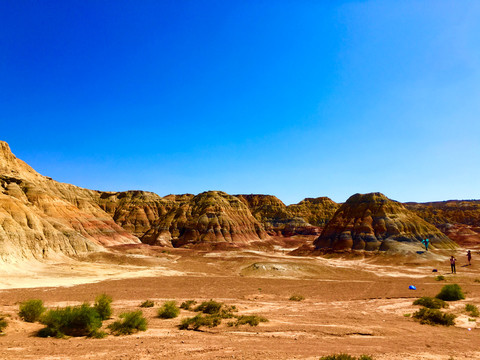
x=374, y=222
x=316, y=211
x=305, y=218
x=184, y=220
x=41, y=218
x=270, y=211
x=458, y=219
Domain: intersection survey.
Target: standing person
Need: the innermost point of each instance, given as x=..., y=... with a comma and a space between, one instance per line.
x=426, y=244
x=452, y=264
x=469, y=257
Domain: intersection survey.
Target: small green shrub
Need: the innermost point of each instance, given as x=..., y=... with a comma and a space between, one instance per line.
x=472, y=309
x=147, y=304
x=477, y=280
x=188, y=305
x=199, y=320
x=169, y=310
x=440, y=278
x=297, y=298
x=131, y=323
x=102, y=306
x=80, y=320
x=252, y=320
x=472, y=319
x=451, y=292
x=407, y=315
x=209, y=307
x=431, y=303
x=434, y=317
x=3, y=323
x=346, y=357
x=31, y=310
x=227, y=312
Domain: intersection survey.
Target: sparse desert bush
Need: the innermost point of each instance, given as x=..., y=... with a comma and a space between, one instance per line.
x=440, y=278
x=346, y=357
x=147, y=304
x=407, y=315
x=451, y=292
x=199, y=320
x=81, y=320
x=131, y=323
x=3, y=323
x=477, y=280
x=434, y=317
x=188, y=305
x=31, y=310
x=103, y=307
x=169, y=310
x=297, y=297
x=252, y=320
x=472, y=309
x=209, y=307
x=431, y=303
x=227, y=312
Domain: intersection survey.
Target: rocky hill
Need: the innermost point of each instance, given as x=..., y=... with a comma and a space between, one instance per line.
x=40, y=217
x=458, y=219
x=270, y=211
x=180, y=220
x=316, y=211
x=374, y=222
x=306, y=218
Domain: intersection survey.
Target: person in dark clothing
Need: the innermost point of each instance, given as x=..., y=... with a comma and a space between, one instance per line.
x=452, y=264
x=469, y=257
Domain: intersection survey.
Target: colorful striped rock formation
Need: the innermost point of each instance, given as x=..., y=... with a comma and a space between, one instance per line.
x=41, y=218
x=374, y=222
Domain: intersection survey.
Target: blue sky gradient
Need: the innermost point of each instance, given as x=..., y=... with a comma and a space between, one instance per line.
x=291, y=98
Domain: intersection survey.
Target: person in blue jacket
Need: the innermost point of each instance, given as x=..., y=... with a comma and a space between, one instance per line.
x=425, y=242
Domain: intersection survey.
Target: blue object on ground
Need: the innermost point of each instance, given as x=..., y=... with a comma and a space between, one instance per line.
x=434, y=270
x=411, y=287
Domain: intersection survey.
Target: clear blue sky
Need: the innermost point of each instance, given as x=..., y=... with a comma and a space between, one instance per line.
x=291, y=98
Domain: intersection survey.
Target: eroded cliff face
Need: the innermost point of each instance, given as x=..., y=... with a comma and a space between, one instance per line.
x=41, y=218
x=458, y=219
x=316, y=211
x=181, y=220
x=374, y=222
x=305, y=218
x=271, y=212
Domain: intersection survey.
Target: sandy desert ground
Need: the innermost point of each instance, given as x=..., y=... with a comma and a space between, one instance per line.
x=353, y=304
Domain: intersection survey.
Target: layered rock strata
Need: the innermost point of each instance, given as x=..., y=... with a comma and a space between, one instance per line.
x=316, y=211
x=180, y=220
x=305, y=218
x=41, y=218
x=458, y=219
x=374, y=222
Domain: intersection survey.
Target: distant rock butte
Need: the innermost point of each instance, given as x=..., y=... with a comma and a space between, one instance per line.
x=305, y=218
x=41, y=218
x=374, y=222
x=316, y=211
